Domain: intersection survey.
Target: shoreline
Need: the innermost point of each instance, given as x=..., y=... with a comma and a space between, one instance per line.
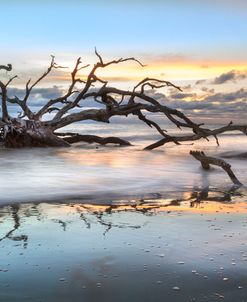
x=208, y=193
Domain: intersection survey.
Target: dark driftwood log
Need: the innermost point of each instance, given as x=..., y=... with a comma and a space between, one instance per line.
x=206, y=161
x=75, y=138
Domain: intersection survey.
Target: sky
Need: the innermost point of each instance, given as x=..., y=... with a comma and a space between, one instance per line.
x=199, y=45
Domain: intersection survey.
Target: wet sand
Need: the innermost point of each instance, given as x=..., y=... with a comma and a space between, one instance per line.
x=152, y=250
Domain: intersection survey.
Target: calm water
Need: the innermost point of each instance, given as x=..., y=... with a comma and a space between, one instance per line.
x=101, y=173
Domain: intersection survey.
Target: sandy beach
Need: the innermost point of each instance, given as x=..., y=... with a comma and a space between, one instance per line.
x=152, y=250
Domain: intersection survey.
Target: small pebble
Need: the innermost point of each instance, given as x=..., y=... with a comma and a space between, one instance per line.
x=176, y=288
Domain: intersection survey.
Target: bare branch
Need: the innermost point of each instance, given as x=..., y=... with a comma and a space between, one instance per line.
x=29, y=89
x=11, y=79
x=75, y=138
x=70, y=91
x=99, y=56
x=203, y=134
x=206, y=161
x=7, y=67
x=121, y=60
x=91, y=79
x=149, y=82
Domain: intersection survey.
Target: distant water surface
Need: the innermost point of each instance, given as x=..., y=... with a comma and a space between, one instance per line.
x=101, y=173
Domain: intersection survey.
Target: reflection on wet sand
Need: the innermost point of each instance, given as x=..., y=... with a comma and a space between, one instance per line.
x=206, y=200
x=188, y=249
x=14, y=209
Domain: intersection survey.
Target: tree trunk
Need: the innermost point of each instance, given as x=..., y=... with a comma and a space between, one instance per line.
x=34, y=139
x=19, y=133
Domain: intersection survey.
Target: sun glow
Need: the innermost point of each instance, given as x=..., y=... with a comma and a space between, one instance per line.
x=173, y=71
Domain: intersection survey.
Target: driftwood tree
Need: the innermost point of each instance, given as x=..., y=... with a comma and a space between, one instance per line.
x=31, y=129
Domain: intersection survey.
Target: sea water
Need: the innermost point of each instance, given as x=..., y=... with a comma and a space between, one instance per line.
x=103, y=173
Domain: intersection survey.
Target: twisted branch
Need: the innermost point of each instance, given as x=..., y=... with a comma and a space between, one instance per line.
x=206, y=161
x=114, y=102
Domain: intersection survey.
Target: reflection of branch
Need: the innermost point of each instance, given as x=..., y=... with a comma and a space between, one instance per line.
x=88, y=225
x=204, y=195
x=150, y=207
x=199, y=195
x=62, y=223
x=100, y=218
x=109, y=225
x=9, y=235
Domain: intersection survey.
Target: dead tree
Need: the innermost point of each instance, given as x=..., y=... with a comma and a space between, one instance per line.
x=30, y=129
x=206, y=161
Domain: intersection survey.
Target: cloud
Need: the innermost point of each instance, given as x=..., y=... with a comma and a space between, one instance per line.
x=199, y=82
x=187, y=87
x=39, y=96
x=182, y=95
x=228, y=97
x=206, y=89
x=205, y=102
x=232, y=75
x=212, y=104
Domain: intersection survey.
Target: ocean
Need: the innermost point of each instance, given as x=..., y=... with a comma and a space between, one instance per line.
x=104, y=173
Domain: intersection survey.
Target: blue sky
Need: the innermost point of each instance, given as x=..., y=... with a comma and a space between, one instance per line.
x=215, y=31
x=185, y=41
